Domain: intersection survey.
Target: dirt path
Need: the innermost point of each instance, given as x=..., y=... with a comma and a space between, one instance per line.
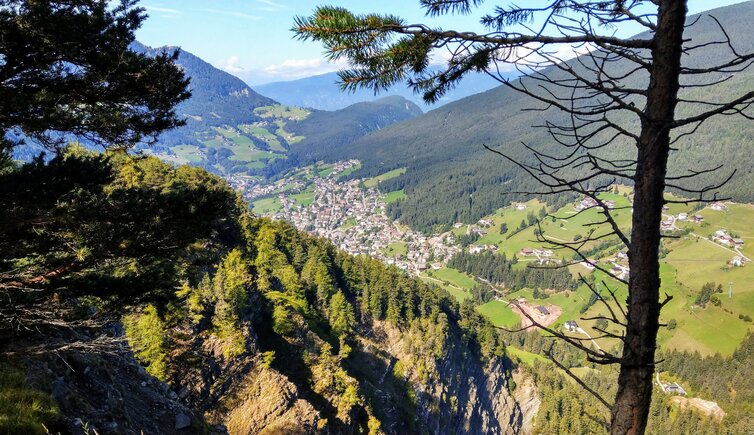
x=590, y=337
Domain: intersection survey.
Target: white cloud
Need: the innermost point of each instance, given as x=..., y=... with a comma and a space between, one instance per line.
x=168, y=11
x=302, y=67
x=271, y=5
x=232, y=65
x=290, y=69
x=232, y=14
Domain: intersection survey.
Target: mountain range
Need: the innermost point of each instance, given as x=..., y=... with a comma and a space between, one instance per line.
x=446, y=161
x=322, y=92
x=231, y=128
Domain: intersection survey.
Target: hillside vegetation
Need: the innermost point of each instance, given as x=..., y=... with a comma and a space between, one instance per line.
x=225, y=313
x=230, y=128
x=446, y=162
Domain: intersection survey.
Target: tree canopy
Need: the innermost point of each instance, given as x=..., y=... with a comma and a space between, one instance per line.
x=66, y=69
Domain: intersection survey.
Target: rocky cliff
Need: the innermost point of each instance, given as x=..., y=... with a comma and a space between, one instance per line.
x=404, y=388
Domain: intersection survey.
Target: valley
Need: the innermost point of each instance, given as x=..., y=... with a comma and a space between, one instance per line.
x=712, y=244
x=204, y=230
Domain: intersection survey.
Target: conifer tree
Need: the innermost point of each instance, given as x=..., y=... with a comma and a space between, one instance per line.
x=67, y=69
x=383, y=50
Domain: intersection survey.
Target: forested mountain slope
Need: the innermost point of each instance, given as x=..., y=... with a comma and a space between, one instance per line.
x=155, y=302
x=443, y=150
x=325, y=130
x=230, y=128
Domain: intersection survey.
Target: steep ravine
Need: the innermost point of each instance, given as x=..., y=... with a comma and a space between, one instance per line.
x=458, y=394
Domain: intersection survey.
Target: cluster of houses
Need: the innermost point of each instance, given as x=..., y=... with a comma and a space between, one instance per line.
x=588, y=202
x=478, y=249
x=722, y=237
x=669, y=224
x=354, y=219
x=252, y=189
x=543, y=255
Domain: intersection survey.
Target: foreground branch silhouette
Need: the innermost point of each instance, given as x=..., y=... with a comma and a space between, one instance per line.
x=620, y=98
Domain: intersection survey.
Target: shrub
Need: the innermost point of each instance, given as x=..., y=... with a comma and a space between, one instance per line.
x=146, y=336
x=268, y=358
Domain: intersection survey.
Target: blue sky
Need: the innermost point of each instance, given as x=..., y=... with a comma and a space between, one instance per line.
x=252, y=39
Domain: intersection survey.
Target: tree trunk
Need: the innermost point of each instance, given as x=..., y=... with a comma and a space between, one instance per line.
x=631, y=409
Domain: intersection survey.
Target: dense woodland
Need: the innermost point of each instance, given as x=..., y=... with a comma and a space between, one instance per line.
x=174, y=252
x=498, y=269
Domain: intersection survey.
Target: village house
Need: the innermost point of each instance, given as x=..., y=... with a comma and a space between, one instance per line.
x=586, y=203
x=527, y=251
x=542, y=311
x=737, y=261
x=571, y=326
x=697, y=218
x=673, y=388
x=668, y=225
x=719, y=206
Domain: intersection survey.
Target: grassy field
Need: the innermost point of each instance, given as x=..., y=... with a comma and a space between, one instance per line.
x=350, y=223
x=349, y=171
x=267, y=206
x=374, y=181
x=237, y=138
x=525, y=357
x=691, y=262
x=499, y=313
x=396, y=249
x=459, y=294
x=281, y=111
x=511, y=217
x=190, y=153
x=325, y=170
x=397, y=195
x=265, y=135
x=246, y=154
x=304, y=198
x=453, y=277
x=694, y=262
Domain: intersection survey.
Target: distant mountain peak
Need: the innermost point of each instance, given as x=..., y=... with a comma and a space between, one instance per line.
x=323, y=93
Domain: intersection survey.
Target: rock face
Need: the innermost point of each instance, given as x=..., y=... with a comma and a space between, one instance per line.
x=406, y=385
x=270, y=405
x=528, y=400
x=463, y=396
x=110, y=394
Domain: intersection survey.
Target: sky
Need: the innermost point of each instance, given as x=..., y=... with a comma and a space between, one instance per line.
x=252, y=40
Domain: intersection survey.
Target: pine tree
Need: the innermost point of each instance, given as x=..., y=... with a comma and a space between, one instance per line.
x=61, y=54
